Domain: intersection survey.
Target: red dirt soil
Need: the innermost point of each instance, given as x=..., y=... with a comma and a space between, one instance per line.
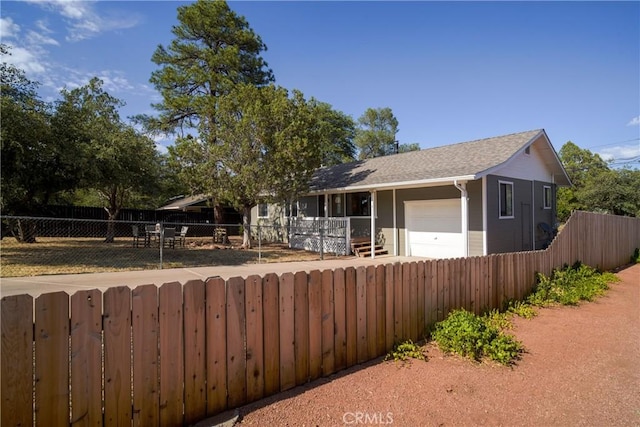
x=581, y=368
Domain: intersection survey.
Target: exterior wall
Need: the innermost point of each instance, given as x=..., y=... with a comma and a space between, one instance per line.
x=476, y=235
x=526, y=166
x=510, y=234
x=542, y=215
x=384, y=220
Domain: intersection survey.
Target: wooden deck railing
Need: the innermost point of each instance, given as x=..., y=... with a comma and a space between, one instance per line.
x=172, y=355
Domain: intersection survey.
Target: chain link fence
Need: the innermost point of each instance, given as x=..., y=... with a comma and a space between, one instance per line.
x=36, y=246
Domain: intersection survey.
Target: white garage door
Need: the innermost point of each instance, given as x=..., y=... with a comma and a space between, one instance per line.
x=434, y=228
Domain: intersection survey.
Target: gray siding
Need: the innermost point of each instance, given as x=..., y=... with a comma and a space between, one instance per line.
x=542, y=215
x=511, y=234
x=474, y=192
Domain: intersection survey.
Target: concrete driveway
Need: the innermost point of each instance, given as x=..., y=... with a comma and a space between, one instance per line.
x=71, y=283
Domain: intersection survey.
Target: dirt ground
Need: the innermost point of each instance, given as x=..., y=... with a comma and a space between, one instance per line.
x=581, y=368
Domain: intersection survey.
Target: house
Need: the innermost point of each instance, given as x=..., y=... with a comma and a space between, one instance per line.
x=480, y=197
x=185, y=208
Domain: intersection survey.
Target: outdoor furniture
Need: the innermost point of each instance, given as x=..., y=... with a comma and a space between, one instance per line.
x=169, y=239
x=219, y=235
x=183, y=235
x=136, y=235
x=150, y=233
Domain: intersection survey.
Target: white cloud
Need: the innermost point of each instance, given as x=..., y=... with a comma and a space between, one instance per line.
x=8, y=29
x=34, y=38
x=26, y=60
x=634, y=122
x=83, y=20
x=620, y=152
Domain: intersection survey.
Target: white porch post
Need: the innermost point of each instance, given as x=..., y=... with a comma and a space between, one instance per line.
x=464, y=206
x=373, y=223
x=395, y=225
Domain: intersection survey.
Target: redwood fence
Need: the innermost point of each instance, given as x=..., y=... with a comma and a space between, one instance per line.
x=174, y=354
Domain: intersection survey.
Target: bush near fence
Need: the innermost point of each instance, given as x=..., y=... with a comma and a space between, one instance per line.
x=172, y=355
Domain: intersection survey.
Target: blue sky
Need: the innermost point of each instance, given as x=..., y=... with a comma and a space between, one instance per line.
x=450, y=71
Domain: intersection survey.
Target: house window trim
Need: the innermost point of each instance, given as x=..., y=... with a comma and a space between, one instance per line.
x=546, y=201
x=267, y=209
x=500, y=216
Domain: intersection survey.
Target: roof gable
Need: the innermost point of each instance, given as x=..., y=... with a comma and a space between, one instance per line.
x=462, y=161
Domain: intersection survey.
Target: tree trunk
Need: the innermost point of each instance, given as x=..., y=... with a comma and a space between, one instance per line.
x=25, y=231
x=111, y=225
x=246, y=226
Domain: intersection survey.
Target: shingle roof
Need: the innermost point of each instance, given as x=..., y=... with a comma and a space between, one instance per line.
x=466, y=159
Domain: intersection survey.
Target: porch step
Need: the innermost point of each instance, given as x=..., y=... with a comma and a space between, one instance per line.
x=361, y=247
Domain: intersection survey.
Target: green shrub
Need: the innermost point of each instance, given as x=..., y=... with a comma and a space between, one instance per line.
x=522, y=309
x=635, y=258
x=475, y=337
x=404, y=351
x=570, y=286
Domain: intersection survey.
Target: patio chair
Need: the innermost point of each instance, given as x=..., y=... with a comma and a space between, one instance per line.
x=135, y=230
x=170, y=238
x=150, y=231
x=183, y=235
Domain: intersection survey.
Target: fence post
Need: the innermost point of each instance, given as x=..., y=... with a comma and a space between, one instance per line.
x=322, y=223
x=161, y=243
x=259, y=244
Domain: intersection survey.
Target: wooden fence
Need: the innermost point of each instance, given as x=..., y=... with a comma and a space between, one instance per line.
x=174, y=354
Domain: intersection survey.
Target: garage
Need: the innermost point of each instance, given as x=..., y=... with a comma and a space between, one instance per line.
x=434, y=228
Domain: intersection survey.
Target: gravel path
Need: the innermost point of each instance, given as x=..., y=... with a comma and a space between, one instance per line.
x=582, y=368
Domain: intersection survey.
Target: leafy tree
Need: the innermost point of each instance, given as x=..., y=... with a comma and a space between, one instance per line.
x=214, y=49
x=405, y=148
x=596, y=187
x=337, y=132
x=376, y=135
x=35, y=164
x=268, y=146
x=116, y=160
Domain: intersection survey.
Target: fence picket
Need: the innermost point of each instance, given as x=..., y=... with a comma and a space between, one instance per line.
x=287, y=332
x=255, y=338
x=380, y=310
x=361, y=310
x=315, y=324
x=171, y=354
x=406, y=301
x=301, y=326
x=195, y=374
x=16, y=353
x=421, y=301
x=340, y=319
x=327, y=321
x=146, y=403
x=236, y=339
x=86, y=358
x=389, y=295
x=216, y=342
x=413, y=301
x=351, y=314
x=117, y=356
x=397, y=303
x=271, y=323
x=372, y=344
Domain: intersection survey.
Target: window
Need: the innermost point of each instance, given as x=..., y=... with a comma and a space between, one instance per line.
x=506, y=199
x=358, y=204
x=336, y=202
x=546, y=196
x=263, y=210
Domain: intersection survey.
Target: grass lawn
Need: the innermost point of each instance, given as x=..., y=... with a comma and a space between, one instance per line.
x=92, y=255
